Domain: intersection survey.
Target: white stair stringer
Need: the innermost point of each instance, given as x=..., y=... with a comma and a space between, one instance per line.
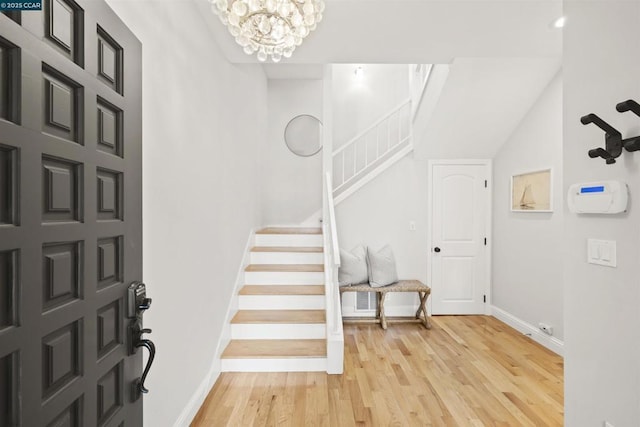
x=281, y=307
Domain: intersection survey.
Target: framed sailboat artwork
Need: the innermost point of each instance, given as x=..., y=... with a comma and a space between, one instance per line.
x=532, y=192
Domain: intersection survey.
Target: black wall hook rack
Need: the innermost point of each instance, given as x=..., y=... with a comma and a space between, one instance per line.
x=629, y=105
x=612, y=138
x=630, y=144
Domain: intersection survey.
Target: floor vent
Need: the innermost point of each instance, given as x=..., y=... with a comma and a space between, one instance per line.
x=366, y=301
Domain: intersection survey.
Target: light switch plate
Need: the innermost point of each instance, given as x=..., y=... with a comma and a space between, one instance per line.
x=601, y=252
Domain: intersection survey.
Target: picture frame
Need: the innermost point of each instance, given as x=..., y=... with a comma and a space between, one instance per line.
x=532, y=191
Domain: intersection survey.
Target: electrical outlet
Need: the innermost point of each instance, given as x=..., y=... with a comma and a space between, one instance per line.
x=412, y=225
x=547, y=329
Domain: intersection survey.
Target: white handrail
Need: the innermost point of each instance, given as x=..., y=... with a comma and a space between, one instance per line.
x=391, y=133
x=335, y=335
x=354, y=176
x=332, y=222
x=334, y=259
x=367, y=130
x=424, y=71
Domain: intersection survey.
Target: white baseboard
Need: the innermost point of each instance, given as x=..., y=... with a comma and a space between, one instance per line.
x=550, y=342
x=196, y=401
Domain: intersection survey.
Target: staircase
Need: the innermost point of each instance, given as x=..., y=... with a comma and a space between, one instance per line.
x=391, y=137
x=280, y=324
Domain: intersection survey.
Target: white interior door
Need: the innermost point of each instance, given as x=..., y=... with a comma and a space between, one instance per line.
x=459, y=256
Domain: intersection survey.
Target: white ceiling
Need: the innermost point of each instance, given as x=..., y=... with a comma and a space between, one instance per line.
x=503, y=54
x=293, y=71
x=417, y=31
x=483, y=102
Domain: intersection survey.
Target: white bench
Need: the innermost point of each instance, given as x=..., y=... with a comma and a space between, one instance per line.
x=401, y=286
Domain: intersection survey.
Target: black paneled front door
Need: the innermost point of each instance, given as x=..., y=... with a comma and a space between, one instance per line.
x=70, y=215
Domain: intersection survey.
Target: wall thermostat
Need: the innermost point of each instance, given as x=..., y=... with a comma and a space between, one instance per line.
x=604, y=197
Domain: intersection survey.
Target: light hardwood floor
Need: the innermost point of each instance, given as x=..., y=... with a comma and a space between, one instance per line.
x=465, y=371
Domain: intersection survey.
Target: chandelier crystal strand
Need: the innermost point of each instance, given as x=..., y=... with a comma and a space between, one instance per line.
x=269, y=28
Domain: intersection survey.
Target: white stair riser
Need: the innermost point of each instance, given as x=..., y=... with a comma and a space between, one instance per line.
x=283, y=278
x=270, y=331
x=281, y=302
x=287, y=258
x=288, y=239
x=309, y=364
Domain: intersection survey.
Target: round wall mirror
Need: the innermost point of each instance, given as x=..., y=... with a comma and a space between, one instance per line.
x=303, y=135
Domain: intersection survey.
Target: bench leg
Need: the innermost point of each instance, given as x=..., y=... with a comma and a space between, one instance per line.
x=383, y=319
x=423, y=309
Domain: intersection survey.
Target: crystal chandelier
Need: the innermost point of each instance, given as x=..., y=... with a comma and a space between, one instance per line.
x=270, y=28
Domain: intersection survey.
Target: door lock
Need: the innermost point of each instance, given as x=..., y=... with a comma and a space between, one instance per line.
x=436, y=249
x=137, y=301
x=137, y=304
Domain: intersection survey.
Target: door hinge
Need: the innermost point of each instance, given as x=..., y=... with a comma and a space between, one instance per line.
x=485, y=183
x=484, y=298
x=485, y=241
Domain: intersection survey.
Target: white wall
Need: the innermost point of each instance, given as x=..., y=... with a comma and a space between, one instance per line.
x=292, y=188
x=379, y=214
x=527, y=247
x=602, y=305
x=204, y=122
x=359, y=102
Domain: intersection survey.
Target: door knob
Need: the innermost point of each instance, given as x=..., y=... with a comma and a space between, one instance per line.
x=436, y=249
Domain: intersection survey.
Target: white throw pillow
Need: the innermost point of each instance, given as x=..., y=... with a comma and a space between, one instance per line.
x=382, y=267
x=353, y=267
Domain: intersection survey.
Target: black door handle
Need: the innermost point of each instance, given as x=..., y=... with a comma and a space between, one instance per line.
x=149, y=345
x=436, y=249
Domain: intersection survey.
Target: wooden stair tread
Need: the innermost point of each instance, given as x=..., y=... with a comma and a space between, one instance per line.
x=301, y=249
x=282, y=290
x=253, y=349
x=287, y=268
x=279, y=316
x=290, y=230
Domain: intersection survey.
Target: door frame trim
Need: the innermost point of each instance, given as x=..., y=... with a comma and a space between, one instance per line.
x=488, y=163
